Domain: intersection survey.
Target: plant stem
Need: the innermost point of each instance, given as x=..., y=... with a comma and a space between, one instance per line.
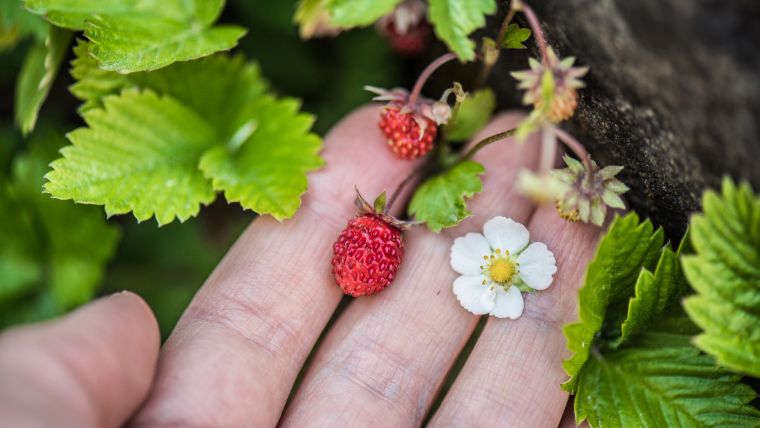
x=548, y=149
x=536, y=27
x=485, y=142
x=426, y=74
x=488, y=65
x=400, y=188
x=576, y=147
x=504, y=26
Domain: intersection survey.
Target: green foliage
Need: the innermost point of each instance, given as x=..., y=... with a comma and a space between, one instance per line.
x=358, y=13
x=655, y=292
x=610, y=278
x=249, y=145
x=725, y=272
x=454, y=20
x=135, y=35
x=662, y=381
x=267, y=174
x=473, y=114
x=515, y=36
x=37, y=75
x=441, y=200
x=637, y=367
x=140, y=154
x=53, y=253
x=16, y=24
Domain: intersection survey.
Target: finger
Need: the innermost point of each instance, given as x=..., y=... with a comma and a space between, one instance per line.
x=515, y=370
x=91, y=368
x=237, y=350
x=387, y=354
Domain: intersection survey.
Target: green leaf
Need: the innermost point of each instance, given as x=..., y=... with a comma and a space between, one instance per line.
x=656, y=292
x=661, y=382
x=627, y=247
x=358, y=13
x=474, y=113
x=92, y=82
x=725, y=273
x=57, y=250
x=263, y=150
x=441, y=200
x=140, y=153
x=16, y=23
x=37, y=75
x=515, y=36
x=135, y=35
x=265, y=169
x=454, y=20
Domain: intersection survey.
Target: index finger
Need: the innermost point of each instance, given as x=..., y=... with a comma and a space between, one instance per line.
x=236, y=351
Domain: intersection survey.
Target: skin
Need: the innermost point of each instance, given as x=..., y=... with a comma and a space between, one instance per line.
x=235, y=354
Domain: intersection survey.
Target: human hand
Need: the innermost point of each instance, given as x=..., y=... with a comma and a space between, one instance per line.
x=234, y=356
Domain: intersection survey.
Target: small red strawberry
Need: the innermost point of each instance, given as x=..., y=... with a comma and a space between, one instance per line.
x=410, y=124
x=369, y=250
x=404, y=136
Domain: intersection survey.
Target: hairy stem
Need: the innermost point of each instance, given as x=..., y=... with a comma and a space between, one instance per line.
x=488, y=66
x=400, y=188
x=504, y=25
x=485, y=142
x=536, y=27
x=576, y=147
x=425, y=75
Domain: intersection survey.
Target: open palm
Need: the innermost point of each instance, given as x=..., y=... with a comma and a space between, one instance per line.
x=234, y=357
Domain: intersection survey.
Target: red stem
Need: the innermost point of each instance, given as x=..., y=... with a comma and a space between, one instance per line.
x=536, y=27
x=425, y=75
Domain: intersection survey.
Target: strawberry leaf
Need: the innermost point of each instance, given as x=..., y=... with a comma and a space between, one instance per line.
x=474, y=112
x=265, y=169
x=515, y=36
x=140, y=153
x=610, y=278
x=725, y=272
x=37, y=75
x=454, y=20
x=661, y=380
x=133, y=35
x=441, y=200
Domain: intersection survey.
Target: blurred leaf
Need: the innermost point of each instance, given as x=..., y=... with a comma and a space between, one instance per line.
x=725, y=272
x=515, y=36
x=474, y=113
x=139, y=35
x=266, y=171
x=358, y=13
x=37, y=75
x=16, y=23
x=441, y=200
x=454, y=20
x=58, y=249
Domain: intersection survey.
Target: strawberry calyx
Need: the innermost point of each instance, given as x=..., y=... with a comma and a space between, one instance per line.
x=377, y=209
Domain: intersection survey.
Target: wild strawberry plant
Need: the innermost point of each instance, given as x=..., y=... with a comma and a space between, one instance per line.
x=172, y=121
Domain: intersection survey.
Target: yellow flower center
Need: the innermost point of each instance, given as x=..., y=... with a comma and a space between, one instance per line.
x=500, y=267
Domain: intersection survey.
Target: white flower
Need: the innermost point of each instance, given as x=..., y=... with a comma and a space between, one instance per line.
x=496, y=266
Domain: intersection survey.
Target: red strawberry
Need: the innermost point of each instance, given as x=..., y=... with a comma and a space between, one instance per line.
x=403, y=133
x=368, y=251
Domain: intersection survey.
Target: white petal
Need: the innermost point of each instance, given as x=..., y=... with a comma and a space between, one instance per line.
x=506, y=234
x=509, y=304
x=473, y=295
x=467, y=253
x=536, y=266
